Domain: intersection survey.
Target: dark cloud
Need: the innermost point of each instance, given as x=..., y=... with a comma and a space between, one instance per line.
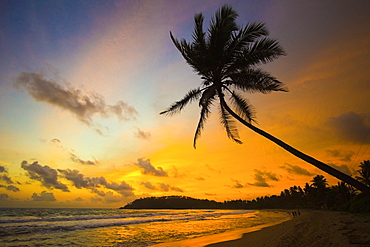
x=161, y=187
x=44, y=196
x=350, y=126
x=10, y=188
x=261, y=178
x=343, y=155
x=98, y=192
x=342, y=168
x=111, y=198
x=79, y=181
x=212, y=169
x=237, y=185
x=76, y=159
x=293, y=169
x=4, y=197
x=149, y=185
x=167, y=187
x=175, y=173
x=142, y=135
x=76, y=177
x=7, y=179
x=2, y=169
x=55, y=140
x=123, y=188
x=96, y=199
x=78, y=199
x=83, y=106
x=45, y=174
x=148, y=169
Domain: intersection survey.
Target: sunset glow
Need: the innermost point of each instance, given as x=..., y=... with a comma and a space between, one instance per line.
x=82, y=85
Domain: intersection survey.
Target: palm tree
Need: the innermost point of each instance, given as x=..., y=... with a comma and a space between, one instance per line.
x=226, y=57
x=319, y=182
x=364, y=173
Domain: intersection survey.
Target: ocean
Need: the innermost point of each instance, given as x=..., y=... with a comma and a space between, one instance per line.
x=121, y=227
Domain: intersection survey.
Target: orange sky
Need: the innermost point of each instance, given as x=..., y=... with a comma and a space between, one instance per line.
x=58, y=151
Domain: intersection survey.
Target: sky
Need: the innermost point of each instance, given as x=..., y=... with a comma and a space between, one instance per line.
x=82, y=84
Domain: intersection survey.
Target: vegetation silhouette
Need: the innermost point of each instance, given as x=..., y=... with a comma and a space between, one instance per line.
x=364, y=172
x=316, y=195
x=226, y=57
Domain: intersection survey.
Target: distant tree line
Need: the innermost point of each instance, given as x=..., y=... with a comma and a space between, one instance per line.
x=314, y=195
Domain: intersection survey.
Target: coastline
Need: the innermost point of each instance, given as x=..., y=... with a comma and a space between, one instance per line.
x=311, y=228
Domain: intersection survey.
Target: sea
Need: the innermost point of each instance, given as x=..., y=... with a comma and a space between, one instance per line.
x=121, y=227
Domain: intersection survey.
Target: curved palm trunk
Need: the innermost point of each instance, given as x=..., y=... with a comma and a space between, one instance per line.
x=341, y=176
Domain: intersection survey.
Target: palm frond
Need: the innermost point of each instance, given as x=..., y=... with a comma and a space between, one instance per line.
x=204, y=113
x=179, y=105
x=262, y=51
x=198, y=33
x=220, y=31
x=194, y=55
x=229, y=124
x=240, y=41
x=252, y=80
x=242, y=107
x=245, y=36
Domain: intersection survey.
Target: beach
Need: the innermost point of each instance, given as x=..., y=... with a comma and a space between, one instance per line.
x=310, y=229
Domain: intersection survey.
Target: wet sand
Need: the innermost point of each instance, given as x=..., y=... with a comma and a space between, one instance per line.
x=310, y=229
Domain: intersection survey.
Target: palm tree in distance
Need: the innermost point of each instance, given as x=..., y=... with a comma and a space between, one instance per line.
x=364, y=172
x=226, y=57
x=319, y=182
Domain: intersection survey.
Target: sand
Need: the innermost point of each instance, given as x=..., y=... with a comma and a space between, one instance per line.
x=310, y=229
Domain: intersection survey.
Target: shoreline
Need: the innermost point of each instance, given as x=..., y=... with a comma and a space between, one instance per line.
x=312, y=228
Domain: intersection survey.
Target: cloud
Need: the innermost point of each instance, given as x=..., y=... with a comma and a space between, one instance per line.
x=111, y=198
x=44, y=196
x=167, y=187
x=293, y=169
x=262, y=177
x=10, y=188
x=55, y=140
x=342, y=168
x=76, y=159
x=82, y=105
x=175, y=173
x=344, y=155
x=123, y=188
x=212, y=169
x=78, y=199
x=73, y=157
x=45, y=174
x=2, y=169
x=79, y=181
x=96, y=199
x=149, y=185
x=350, y=126
x=237, y=185
x=7, y=179
x=4, y=197
x=142, y=135
x=161, y=187
x=76, y=177
x=148, y=169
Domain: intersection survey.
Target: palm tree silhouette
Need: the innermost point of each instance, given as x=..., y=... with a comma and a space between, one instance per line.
x=364, y=172
x=226, y=57
x=319, y=182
